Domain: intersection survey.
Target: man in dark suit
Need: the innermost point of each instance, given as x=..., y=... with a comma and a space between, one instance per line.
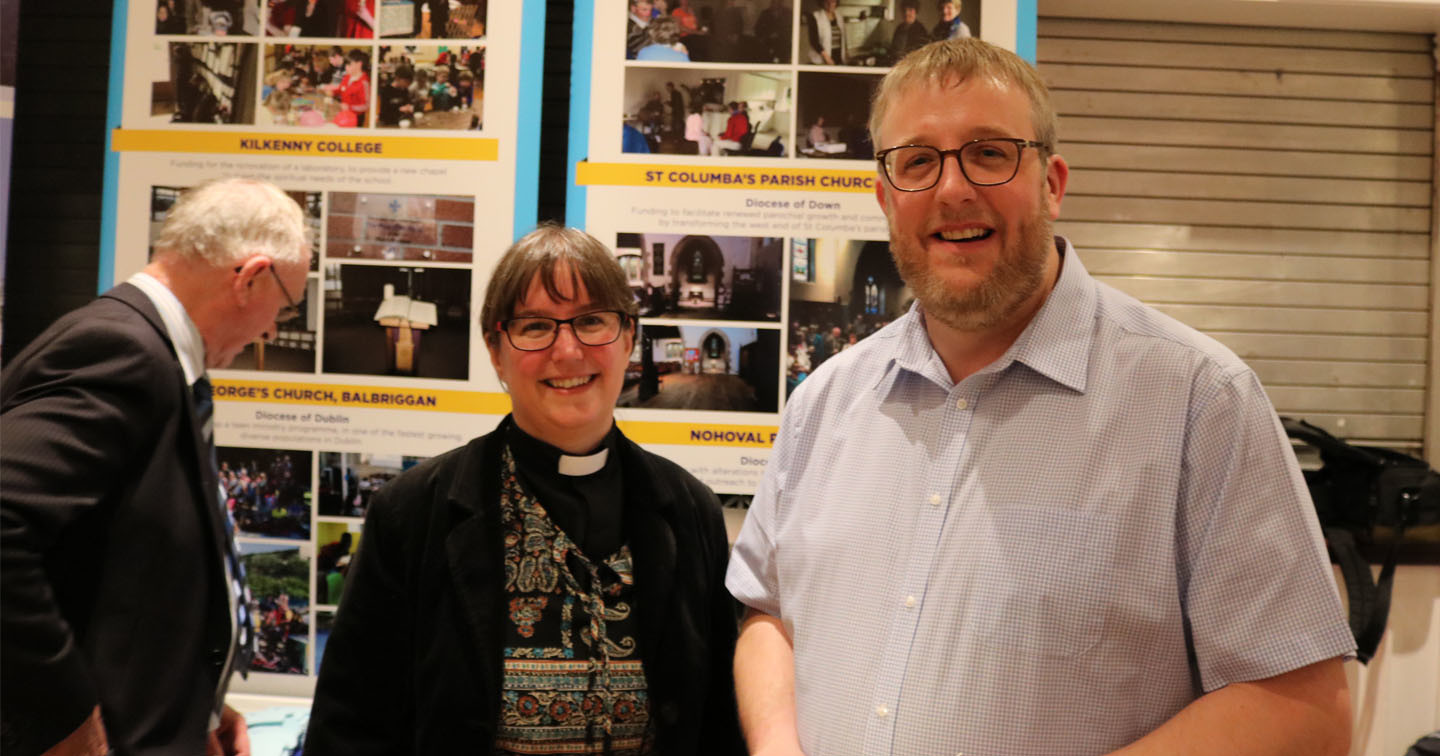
x=121, y=612
x=909, y=34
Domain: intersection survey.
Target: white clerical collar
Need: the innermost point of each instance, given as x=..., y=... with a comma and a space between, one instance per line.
x=587, y=465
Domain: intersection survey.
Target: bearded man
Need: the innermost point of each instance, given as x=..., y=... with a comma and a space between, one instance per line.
x=1032, y=515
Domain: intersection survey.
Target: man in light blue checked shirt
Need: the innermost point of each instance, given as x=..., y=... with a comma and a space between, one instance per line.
x=1031, y=516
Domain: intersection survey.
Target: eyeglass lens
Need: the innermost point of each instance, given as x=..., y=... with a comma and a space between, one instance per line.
x=591, y=329
x=984, y=163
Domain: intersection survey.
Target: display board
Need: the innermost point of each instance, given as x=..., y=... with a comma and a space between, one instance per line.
x=396, y=125
x=721, y=147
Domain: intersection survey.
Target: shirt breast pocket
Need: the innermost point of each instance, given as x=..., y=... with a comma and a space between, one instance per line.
x=1040, y=588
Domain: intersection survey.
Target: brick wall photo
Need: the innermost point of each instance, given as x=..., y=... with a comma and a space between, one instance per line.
x=407, y=227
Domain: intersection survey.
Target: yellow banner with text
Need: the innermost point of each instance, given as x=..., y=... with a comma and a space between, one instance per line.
x=479, y=403
x=324, y=144
x=727, y=177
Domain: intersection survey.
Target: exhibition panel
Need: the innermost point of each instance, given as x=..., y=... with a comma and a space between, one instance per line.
x=402, y=131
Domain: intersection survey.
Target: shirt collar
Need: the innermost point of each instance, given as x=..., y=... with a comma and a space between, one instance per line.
x=184, y=336
x=913, y=351
x=1055, y=344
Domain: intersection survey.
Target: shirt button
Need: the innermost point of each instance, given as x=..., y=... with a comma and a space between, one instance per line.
x=909, y=602
x=881, y=710
x=934, y=500
x=961, y=403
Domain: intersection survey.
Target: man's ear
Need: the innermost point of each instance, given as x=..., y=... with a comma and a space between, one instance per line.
x=1057, y=175
x=880, y=191
x=245, y=275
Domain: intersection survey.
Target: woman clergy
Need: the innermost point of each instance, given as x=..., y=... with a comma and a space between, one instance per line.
x=550, y=587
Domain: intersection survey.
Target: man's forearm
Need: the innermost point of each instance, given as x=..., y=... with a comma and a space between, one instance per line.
x=1305, y=712
x=765, y=685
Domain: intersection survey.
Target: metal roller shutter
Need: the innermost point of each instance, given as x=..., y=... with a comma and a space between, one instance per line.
x=1270, y=187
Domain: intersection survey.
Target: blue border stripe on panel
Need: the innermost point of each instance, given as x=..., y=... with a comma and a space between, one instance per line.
x=580, y=59
x=527, y=134
x=1025, y=13
x=110, y=192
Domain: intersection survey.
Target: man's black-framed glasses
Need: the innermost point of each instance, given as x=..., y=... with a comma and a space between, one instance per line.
x=533, y=333
x=291, y=310
x=983, y=162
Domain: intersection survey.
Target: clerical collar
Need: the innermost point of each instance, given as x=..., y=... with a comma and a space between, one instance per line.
x=587, y=465
x=543, y=456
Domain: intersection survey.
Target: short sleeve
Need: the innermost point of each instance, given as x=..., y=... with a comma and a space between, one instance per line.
x=1259, y=596
x=752, y=576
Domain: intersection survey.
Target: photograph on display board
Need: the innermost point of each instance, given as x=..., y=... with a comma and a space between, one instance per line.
x=840, y=292
x=278, y=576
x=315, y=85
x=208, y=17
x=694, y=367
x=336, y=545
x=344, y=19
x=324, y=623
x=831, y=114
x=202, y=82
x=349, y=479
x=292, y=350
x=397, y=320
x=276, y=729
x=401, y=227
x=708, y=31
x=694, y=111
x=433, y=19
x=431, y=87
x=266, y=490
x=879, y=32
x=703, y=277
x=162, y=198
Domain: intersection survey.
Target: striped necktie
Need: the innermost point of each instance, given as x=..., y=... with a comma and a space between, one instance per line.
x=235, y=569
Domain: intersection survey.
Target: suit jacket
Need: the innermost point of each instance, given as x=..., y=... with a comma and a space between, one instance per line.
x=413, y=664
x=907, y=38
x=112, y=589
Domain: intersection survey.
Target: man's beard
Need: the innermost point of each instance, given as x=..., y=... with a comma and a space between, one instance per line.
x=1018, y=273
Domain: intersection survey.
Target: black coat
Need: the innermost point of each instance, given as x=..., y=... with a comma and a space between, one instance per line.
x=414, y=665
x=907, y=38
x=112, y=587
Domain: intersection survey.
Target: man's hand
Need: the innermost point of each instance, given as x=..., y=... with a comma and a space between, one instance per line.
x=87, y=740
x=231, y=738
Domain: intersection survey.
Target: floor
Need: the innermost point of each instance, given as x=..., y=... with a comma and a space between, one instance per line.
x=444, y=352
x=698, y=392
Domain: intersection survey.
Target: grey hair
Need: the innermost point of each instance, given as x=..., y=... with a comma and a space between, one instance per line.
x=224, y=221
x=547, y=252
x=952, y=62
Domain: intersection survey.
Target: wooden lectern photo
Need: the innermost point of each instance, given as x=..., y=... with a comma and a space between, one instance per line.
x=403, y=319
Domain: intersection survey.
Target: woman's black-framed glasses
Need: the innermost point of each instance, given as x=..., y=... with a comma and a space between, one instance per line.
x=983, y=162
x=534, y=333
